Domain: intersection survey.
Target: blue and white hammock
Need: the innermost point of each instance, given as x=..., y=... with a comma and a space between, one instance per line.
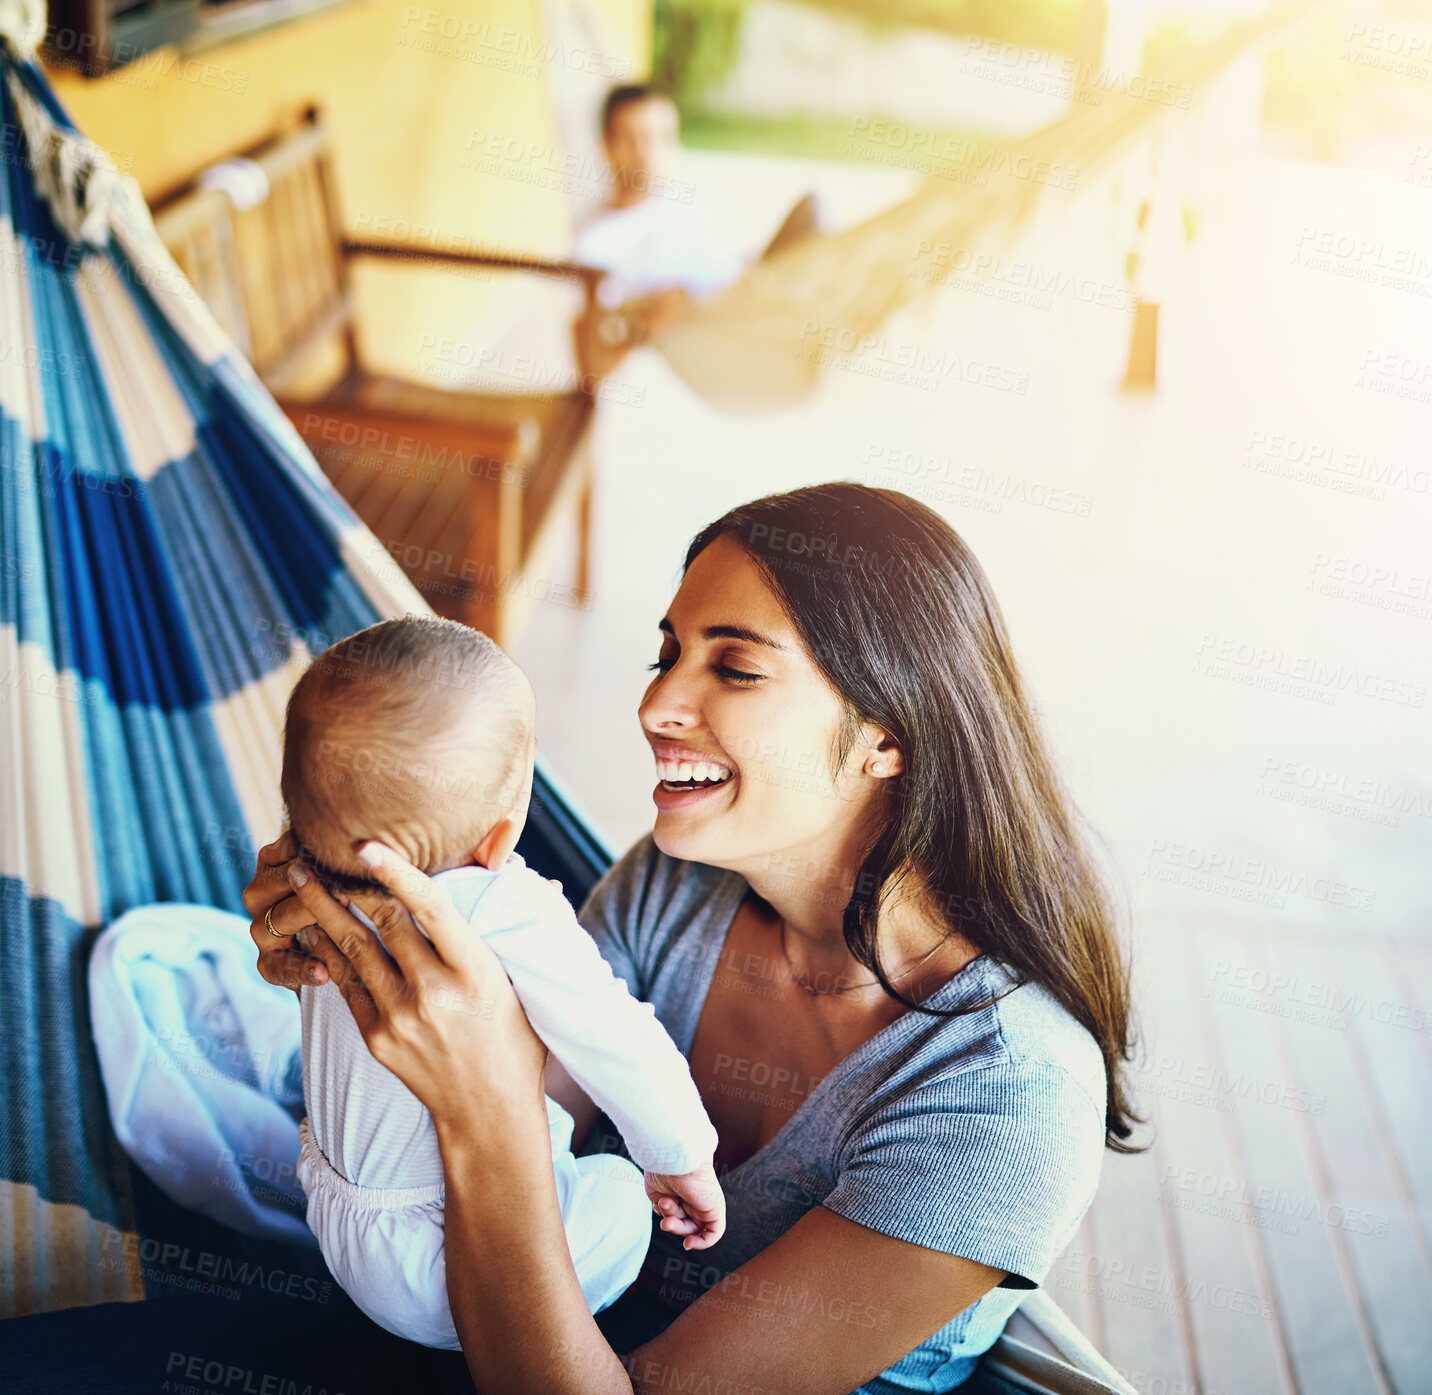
x=170, y=557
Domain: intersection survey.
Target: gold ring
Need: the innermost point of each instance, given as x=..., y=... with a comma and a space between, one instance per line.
x=268, y=921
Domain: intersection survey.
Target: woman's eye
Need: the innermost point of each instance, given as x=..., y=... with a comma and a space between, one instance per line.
x=661, y=665
x=737, y=675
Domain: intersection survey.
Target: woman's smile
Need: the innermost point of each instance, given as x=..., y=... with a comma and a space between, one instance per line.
x=685, y=775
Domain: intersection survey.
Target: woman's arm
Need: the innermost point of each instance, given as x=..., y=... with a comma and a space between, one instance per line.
x=822, y=1310
x=516, y=1303
x=818, y=1312
x=436, y=1008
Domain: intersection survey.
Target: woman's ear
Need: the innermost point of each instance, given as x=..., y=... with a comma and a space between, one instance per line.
x=499, y=843
x=883, y=757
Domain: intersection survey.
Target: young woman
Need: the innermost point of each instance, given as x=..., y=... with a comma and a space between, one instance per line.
x=872, y=925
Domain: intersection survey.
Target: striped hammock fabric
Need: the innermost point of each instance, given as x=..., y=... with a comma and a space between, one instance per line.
x=170, y=557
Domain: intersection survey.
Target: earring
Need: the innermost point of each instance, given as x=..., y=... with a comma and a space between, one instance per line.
x=878, y=767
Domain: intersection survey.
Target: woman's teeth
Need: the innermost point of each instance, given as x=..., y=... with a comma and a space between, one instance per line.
x=685, y=772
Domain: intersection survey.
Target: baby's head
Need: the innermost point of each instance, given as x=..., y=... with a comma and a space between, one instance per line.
x=417, y=732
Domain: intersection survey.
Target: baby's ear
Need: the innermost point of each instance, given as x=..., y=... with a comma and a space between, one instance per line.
x=499, y=843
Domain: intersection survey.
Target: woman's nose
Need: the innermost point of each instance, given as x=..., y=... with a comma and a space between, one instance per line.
x=667, y=705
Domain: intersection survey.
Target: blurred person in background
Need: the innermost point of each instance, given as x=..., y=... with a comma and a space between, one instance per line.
x=660, y=251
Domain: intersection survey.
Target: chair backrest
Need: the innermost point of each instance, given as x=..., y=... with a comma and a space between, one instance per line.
x=268, y=258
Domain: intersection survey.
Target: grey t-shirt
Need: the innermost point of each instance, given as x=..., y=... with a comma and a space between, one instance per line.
x=979, y=1135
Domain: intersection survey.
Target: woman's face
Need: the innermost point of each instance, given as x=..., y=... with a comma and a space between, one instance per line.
x=736, y=692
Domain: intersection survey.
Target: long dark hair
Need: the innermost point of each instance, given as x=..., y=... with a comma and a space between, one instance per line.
x=899, y=616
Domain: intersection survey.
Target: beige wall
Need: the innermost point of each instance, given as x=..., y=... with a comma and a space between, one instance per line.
x=403, y=103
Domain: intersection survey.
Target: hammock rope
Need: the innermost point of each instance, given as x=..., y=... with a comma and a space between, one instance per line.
x=748, y=348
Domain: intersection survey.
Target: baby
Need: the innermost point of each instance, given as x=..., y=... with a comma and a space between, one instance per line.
x=418, y=732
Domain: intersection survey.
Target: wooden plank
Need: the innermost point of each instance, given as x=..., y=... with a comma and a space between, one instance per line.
x=1278, y=1188
x=1390, y=1025
x=1221, y=1277
x=1151, y=1346
x=1148, y=1344
x=293, y=253
x=1373, y=1220
x=1065, y=1286
x=319, y=250
x=1124, y=1234
x=415, y=504
x=288, y=264
x=253, y=250
x=1410, y=966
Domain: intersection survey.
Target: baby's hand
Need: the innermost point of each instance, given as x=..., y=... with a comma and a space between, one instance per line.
x=692, y=1205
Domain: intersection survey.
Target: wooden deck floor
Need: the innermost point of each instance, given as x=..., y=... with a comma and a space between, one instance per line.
x=1275, y=1237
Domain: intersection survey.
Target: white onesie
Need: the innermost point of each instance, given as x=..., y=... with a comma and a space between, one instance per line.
x=370, y=1164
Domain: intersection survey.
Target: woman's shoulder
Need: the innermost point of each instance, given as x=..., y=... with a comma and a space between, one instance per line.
x=1016, y=1048
x=1039, y=1035
x=982, y=1135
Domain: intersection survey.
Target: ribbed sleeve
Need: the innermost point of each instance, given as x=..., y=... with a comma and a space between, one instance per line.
x=995, y=1163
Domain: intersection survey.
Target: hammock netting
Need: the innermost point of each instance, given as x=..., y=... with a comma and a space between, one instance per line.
x=749, y=348
x=170, y=557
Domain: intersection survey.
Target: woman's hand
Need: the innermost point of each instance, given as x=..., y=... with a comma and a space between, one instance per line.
x=269, y=899
x=433, y=1003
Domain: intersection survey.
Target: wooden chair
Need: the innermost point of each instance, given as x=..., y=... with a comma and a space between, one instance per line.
x=460, y=486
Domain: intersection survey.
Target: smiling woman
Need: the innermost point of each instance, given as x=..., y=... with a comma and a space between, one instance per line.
x=867, y=918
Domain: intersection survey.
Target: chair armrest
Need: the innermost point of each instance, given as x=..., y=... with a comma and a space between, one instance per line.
x=448, y=256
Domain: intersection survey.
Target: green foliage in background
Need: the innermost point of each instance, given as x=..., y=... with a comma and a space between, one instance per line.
x=697, y=42
x=1055, y=25
x=825, y=138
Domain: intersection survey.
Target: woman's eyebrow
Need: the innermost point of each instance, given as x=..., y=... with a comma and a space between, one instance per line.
x=728, y=632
